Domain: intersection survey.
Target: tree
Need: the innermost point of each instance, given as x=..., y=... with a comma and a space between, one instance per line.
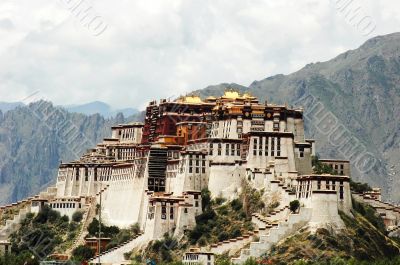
x=359, y=187
x=320, y=168
x=205, y=199
x=294, y=206
x=82, y=253
x=77, y=216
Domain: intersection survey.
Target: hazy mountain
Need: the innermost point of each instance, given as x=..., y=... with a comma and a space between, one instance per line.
x=101, y=108
x=90, y=108
x=361, y=88
x=6, y=106
x=35, y=138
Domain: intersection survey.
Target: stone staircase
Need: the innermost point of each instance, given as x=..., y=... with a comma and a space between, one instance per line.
x=24, y=206
x=287, y=194
x=264, y=223
x=116, y=255
x=13, y=224
x=235, y=244
x=88, y=216
x=274, y=233
x=394, y=231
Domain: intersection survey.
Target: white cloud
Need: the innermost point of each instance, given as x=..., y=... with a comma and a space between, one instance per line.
x=159, y=48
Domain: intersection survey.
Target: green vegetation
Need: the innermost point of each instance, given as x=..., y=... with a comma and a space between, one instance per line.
x=341, y=261
x=370, y=214
x=165, y=251
x=361, y=242
x=82, y=253
x=25, y=258
x=8, y=213
x=123, y=236
x=117, y=236
x=320, y=168
x=220, y=222
x=44, y=234
x=77, y=216
x=359, y=187
x=106, y=231
x=294, y=206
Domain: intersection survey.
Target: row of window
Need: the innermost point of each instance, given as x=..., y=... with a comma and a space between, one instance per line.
x=267, y=146
x=230, y=149
x=304, y=189
x=197, y=163
x=61, y=205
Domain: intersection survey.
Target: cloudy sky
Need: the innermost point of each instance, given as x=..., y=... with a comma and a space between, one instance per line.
x=128, y=52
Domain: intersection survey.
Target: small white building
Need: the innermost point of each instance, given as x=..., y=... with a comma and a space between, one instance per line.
x=197, y=257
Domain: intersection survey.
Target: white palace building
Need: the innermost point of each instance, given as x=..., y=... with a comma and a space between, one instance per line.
x=152, y=174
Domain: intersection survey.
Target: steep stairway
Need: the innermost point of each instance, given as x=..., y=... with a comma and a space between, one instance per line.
x=88, y=216
x=13, y=224
x=116, y=255
x=275, y=233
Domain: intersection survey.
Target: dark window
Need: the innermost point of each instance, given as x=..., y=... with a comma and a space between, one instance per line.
x=341, y=193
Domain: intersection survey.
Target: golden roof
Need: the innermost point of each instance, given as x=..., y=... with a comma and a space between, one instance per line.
x=190, y=99
x=248, y=95
x=231, y=94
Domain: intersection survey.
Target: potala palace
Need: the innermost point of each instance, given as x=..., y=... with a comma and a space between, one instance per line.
x=152, y=174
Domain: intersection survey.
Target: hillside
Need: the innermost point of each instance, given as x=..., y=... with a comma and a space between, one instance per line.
x=35, y=138
x=361, y=89
x=101, y=108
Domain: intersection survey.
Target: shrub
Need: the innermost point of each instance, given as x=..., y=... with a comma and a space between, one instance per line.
x=135, y=228
x=223, y=236
x=77, y=216
x=82, y=253
x=219, y=200
x=64, y=219
x=359, y=187
x=236, y=205
x=47, y=215
x=205, y=199
x=250, y=261
x=294, y=206
x=320, y=168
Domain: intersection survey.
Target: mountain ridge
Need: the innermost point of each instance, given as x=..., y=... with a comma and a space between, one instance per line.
x=360, y=88
x=35, y=138
x=89, y=108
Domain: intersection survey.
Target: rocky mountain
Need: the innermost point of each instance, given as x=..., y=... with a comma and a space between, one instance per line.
x=6, y=106
x=35, y=138
x=351, y=107
x=101, y=108
x=90, y=108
